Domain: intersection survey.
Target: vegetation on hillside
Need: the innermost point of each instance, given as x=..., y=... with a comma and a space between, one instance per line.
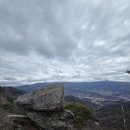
x=82, y=115
x=9, y=106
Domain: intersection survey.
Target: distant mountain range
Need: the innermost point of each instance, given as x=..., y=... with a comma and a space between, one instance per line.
x=99, y=85
x=32, y=87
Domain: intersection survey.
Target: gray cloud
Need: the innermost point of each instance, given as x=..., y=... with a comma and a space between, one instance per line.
x=81, y=40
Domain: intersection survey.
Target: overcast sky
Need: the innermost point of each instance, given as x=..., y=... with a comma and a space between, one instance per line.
x=64, y=40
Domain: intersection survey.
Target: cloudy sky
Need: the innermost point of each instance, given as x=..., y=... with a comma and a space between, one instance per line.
x=64, y=40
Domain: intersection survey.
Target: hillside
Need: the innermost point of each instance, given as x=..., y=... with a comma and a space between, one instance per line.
x=10, y=92
x=73, y=99
x=111, y=117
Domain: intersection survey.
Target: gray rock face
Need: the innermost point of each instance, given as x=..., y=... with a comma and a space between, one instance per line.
x=18, y=122
x=51, y=120
x=48, y=98
x=45, y=107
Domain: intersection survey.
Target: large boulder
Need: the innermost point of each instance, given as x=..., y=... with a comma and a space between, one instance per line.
x=50, y=120
x=49, y=98
x=45, y=107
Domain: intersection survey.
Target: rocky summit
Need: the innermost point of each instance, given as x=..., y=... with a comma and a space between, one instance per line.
x=48, y=98
x=45, y=107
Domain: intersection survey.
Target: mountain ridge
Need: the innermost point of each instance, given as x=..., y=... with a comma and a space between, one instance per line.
x=99, y=84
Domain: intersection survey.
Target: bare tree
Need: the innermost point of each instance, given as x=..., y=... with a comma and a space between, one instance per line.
x=124, y=118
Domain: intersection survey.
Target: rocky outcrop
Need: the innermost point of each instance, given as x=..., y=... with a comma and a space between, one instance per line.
x=18, y=122
x=51, y=120
x=48, y=98
x=45, y=108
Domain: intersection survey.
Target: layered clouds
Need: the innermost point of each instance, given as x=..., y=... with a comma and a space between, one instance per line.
x=63, y=40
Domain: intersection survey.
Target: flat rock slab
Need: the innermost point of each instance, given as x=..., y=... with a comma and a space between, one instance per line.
x=48, y=98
